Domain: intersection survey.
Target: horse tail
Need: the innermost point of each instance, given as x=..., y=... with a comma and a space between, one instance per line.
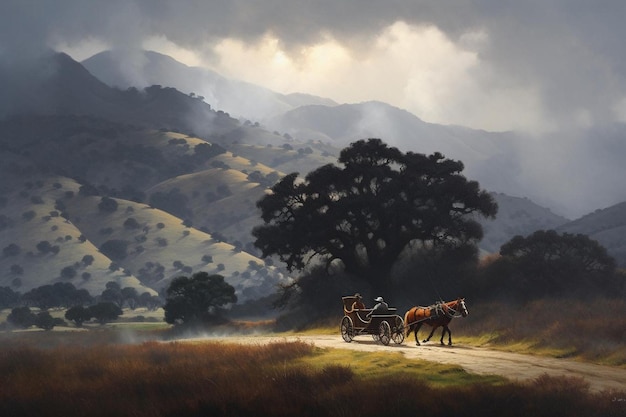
x=407, y=326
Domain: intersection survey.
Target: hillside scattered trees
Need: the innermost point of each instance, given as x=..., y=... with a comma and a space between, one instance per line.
x=370, y=210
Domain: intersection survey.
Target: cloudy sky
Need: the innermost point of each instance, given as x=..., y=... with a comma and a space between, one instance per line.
x=534, y=65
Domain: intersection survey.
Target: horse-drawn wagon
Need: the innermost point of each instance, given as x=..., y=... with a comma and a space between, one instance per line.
x=382, y=327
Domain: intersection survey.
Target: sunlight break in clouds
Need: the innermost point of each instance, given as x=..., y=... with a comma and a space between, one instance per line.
x=417, y=68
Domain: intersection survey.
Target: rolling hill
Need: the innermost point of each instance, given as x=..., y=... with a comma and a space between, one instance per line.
x=138, y=187
x=146, y=68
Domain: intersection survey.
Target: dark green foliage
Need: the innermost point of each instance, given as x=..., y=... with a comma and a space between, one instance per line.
x=11, y=250
x=105, y=312
x=546, y=263
x=78, y=314
x=68, y=272
x=129, y=296
x=107, y=205
x=44, y=246
x=131, y=223
x=21, y=317
x=8, y=297
x=369, y=211
x=197, y=299
x=115, y=249
x=87, y=260
x=45, y=321
x=28, y=215
x=59, y=294
x=5, y=222
x=173, y=201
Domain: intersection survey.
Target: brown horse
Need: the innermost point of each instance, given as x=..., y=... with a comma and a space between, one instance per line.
x=436, y=315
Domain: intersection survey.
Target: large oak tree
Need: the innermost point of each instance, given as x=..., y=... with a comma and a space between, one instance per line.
x=368, y=210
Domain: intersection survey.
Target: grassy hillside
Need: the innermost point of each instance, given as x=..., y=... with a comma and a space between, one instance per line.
x=172, y=192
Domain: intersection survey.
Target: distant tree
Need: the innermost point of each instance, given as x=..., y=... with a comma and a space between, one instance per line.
x=21, y=317
x=68, y=272
x=130, y=297
x=107, y=205
x=59, y=294
x=11, y=250
x=549, y=263
x=78, y=314
x=44, y=246
x=112, y=293
x=197, y=299
x=115, y=249
x=131, y=223
x=8, y=297
x=45, y=321
x=28, y=215
x=87, y=260
x=105, y=312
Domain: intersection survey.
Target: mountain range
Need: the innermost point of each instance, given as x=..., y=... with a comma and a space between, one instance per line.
x=103, y=180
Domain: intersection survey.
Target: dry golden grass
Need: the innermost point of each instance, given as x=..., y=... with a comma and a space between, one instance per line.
x=87, y=374
x=594, y=330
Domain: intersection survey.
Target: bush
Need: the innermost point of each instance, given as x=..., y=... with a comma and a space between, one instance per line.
x=115, y=249
x=68, y=272
x=107, y=205
x=11, y=250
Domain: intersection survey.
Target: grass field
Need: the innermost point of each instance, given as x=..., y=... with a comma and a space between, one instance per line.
x=91, y=373
x=123, y=369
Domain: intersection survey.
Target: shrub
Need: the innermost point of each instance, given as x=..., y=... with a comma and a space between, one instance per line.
x=107, y=205
x=115, y=249
x=28, y=215
x=11, y=250
x=131, y=223
x=68, y=272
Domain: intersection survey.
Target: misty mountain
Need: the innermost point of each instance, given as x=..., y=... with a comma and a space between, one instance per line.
x=156, y=183
x=140, y=69
x=607, y=226
x=571, y=172
x=516, y=216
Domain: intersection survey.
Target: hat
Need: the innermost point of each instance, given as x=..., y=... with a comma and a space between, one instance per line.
x=378, y=299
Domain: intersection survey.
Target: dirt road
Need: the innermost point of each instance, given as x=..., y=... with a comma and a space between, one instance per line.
x=476, y=360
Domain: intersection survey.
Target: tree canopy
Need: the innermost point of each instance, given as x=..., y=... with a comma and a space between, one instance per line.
x=549, y=263
x=198, y=298
x=369, y=210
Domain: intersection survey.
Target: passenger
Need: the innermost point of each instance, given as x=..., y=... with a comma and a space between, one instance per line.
x=381, y=307
x=358, y=303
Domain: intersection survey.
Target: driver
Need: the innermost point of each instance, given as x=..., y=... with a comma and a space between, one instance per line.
x=381, y=307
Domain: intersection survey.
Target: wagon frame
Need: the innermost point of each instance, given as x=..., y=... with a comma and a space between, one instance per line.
x=382, y=327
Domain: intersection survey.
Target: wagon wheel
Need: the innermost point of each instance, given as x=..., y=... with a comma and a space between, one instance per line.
x=384, y=332
x=347, y=329
x=375, y=337
x=397, y=331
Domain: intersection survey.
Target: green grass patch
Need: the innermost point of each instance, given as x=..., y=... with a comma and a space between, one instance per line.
x=373, y=365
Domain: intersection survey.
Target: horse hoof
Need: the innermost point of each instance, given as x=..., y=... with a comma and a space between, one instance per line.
x=418, y=344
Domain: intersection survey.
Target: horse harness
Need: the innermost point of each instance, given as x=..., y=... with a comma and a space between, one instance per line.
x=432, y=312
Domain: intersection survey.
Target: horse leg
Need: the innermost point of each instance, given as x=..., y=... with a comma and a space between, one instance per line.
x=432, y=332
x=443, y=333
x=417, y=328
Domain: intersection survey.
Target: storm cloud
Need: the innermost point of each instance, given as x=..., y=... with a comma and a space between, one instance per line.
x=553, y=70
x=498, y=65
